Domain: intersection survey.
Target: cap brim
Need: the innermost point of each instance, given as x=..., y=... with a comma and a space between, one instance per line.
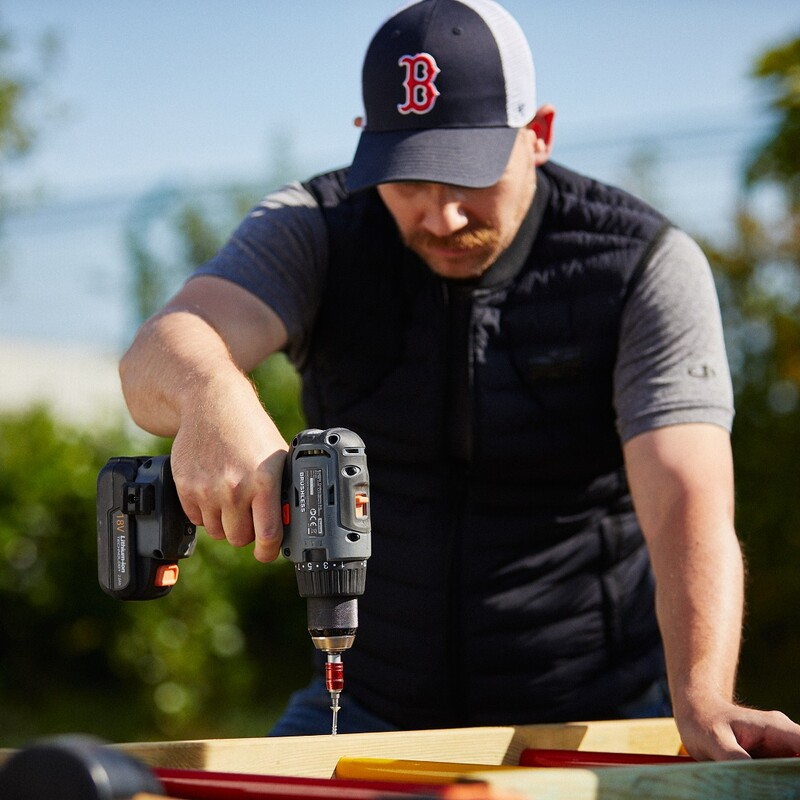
x=473, y=157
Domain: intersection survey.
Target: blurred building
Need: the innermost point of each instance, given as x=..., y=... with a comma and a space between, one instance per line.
x=77, y=382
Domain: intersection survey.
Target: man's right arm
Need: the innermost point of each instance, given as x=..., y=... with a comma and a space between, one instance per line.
x=185, y=376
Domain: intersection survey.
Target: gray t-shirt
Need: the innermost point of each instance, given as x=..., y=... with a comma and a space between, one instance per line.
x=671, y=366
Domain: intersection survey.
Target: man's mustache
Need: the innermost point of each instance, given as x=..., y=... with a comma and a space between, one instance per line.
x=468, y=239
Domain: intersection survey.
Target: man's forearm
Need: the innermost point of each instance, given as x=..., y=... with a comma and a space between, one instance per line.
x=699, y=603
x=682, y=479
x=175, y=359
x=198, y=349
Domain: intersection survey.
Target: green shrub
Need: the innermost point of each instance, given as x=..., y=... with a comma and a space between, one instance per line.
x=216, y=657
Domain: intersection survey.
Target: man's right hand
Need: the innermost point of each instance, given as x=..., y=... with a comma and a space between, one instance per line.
x=227, y=461
x=185, y=376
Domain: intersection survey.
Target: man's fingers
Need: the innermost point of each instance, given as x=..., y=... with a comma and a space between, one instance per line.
x=193, y=511
x=207, y=517
x=266, y=507
x=730, y=750
x=211, y=520
x=768, y=734
x=715, y=745
x=268, y=527
x=246, y=512
x=237, y=521
x=223, y=509
x=737, y=733
x=238, y=504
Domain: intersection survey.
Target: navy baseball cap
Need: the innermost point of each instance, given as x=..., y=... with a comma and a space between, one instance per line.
x=446, y=86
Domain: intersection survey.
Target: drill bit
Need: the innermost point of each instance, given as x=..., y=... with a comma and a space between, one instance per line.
x=334, y=683
x=335, y=710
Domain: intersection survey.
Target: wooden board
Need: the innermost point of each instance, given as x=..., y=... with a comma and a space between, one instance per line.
x=316, y=756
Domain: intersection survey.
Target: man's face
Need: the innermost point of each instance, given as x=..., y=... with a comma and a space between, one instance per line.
x=460, y=232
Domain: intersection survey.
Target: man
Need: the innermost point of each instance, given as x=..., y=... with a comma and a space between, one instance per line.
x=529, y=356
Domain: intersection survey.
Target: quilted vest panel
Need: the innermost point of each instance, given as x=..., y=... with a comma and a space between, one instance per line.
x=509, y=581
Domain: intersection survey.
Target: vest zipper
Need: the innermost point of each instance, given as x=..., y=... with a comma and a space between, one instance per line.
x=458, y=427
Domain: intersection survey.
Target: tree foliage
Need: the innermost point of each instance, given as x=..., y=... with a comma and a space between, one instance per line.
x=25, y=107
x=777, y=158
x=17, y=132
x=758, y=275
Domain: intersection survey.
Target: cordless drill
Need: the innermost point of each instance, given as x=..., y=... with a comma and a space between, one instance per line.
x=142, y=533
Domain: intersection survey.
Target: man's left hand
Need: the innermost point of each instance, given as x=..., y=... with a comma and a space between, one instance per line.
x=724, y=730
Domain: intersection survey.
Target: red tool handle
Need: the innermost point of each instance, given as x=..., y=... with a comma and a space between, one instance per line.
x=190, y=784
x=538, y=757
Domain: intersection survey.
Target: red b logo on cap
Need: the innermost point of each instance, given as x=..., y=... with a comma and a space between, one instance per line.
x=421, y=92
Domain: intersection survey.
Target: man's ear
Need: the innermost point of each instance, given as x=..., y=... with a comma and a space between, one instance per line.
x=542, y=127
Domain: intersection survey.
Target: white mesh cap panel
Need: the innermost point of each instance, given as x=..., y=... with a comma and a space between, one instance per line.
x=516, y=58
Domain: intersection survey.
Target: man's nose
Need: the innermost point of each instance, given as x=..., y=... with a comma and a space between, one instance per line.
x=444, y=213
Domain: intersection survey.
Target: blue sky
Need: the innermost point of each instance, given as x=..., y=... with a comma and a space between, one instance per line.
x=184, y=92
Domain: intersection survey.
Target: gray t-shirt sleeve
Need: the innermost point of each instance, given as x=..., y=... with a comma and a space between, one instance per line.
x=672, y=367
x=279, y=253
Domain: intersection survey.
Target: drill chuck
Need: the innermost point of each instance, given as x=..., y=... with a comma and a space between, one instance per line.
x=332, y=622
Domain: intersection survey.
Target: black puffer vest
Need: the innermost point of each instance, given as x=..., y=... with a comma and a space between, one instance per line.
x=509, y=581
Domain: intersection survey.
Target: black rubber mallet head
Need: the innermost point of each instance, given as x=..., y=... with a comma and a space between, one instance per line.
x=74, y=768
